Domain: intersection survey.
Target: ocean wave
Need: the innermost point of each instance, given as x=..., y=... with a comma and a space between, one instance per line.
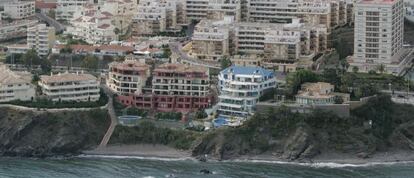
x=136, y=157
x=322, y=164
x=314, y=164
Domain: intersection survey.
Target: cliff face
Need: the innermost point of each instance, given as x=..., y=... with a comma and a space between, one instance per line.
x=376, y=127
x=27, y=133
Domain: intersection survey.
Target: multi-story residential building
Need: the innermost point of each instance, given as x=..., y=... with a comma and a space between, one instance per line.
x=15, y=86
x=240, y=88
x=196, y=9
x=70, y=87
x=156, y=16
x=16, y=29
x=67, y=8
x=319, y=93
x=97, y=50
x=318, y=12
x=212, y=9
x=19, y=9
x=379, y=30
x=122, y=12
x=276, y=43
x=128, y=77
x=246, y=60
x=92, y=25
x=175, y=87
x=211, y=39
x=218, y=9
x=41, y=38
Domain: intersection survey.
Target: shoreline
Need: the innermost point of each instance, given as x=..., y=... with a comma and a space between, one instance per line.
x=165, y=153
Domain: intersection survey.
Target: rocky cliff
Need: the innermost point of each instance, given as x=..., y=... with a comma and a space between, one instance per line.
x=34, y=133
x=378, y=126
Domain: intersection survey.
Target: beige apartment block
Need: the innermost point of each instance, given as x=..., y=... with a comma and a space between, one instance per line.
x=157, y=16
x=212, y=9
x=70, y=87
x=211, y=40
x=379, y=30
x=127, y=77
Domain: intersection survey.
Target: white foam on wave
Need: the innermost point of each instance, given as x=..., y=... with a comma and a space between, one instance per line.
x=322, y=164
x=315, y=164
x=136, y=157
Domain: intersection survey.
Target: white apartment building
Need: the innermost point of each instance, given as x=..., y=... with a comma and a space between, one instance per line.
x=93, y=26
x=41, y=38
x=70, y=87
x=18, y=9
x=15, y=29
x=240, y=88
x=15, y=86
x=66, y=8
x=127, y=77
x=379, y=30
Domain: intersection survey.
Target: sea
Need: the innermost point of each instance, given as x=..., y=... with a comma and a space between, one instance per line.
x=139, y=167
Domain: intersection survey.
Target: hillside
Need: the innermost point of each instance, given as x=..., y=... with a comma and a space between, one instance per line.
x=295, y=136
x=39, y=134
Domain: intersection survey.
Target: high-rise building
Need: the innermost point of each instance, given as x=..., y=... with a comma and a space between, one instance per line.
x=379, y=30
x=41, y=38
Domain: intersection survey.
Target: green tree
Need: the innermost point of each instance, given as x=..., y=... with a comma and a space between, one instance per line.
x=30, y=58
x=295, y=80
x=355, y=69
x=332, y=76
x=381, y=68
x=225, y=62
x=90, y=62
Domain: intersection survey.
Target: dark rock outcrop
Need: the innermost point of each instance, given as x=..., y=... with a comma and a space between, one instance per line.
x=40, y=134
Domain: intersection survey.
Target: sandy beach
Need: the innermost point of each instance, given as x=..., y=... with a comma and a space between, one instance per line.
x=161, y=151
x=144, y=150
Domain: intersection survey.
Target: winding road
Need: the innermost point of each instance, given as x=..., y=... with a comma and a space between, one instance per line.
x=52, y=22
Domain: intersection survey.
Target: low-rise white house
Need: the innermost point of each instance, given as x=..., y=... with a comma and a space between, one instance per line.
x=319, y=93
x=70, y=87
x=240, y=88
x=14, y=86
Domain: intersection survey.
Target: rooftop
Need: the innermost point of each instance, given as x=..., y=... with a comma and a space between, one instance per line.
x=180, y=68
x=316, y=90
x=377, y=1
x=45, y=5
x=247, y=70
x=67, y=77
x=130, y=65
x=9, y=77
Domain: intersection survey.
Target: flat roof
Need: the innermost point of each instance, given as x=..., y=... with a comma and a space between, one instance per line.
x=66, y=77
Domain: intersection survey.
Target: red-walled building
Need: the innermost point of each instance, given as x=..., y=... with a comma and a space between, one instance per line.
x=175, y=87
